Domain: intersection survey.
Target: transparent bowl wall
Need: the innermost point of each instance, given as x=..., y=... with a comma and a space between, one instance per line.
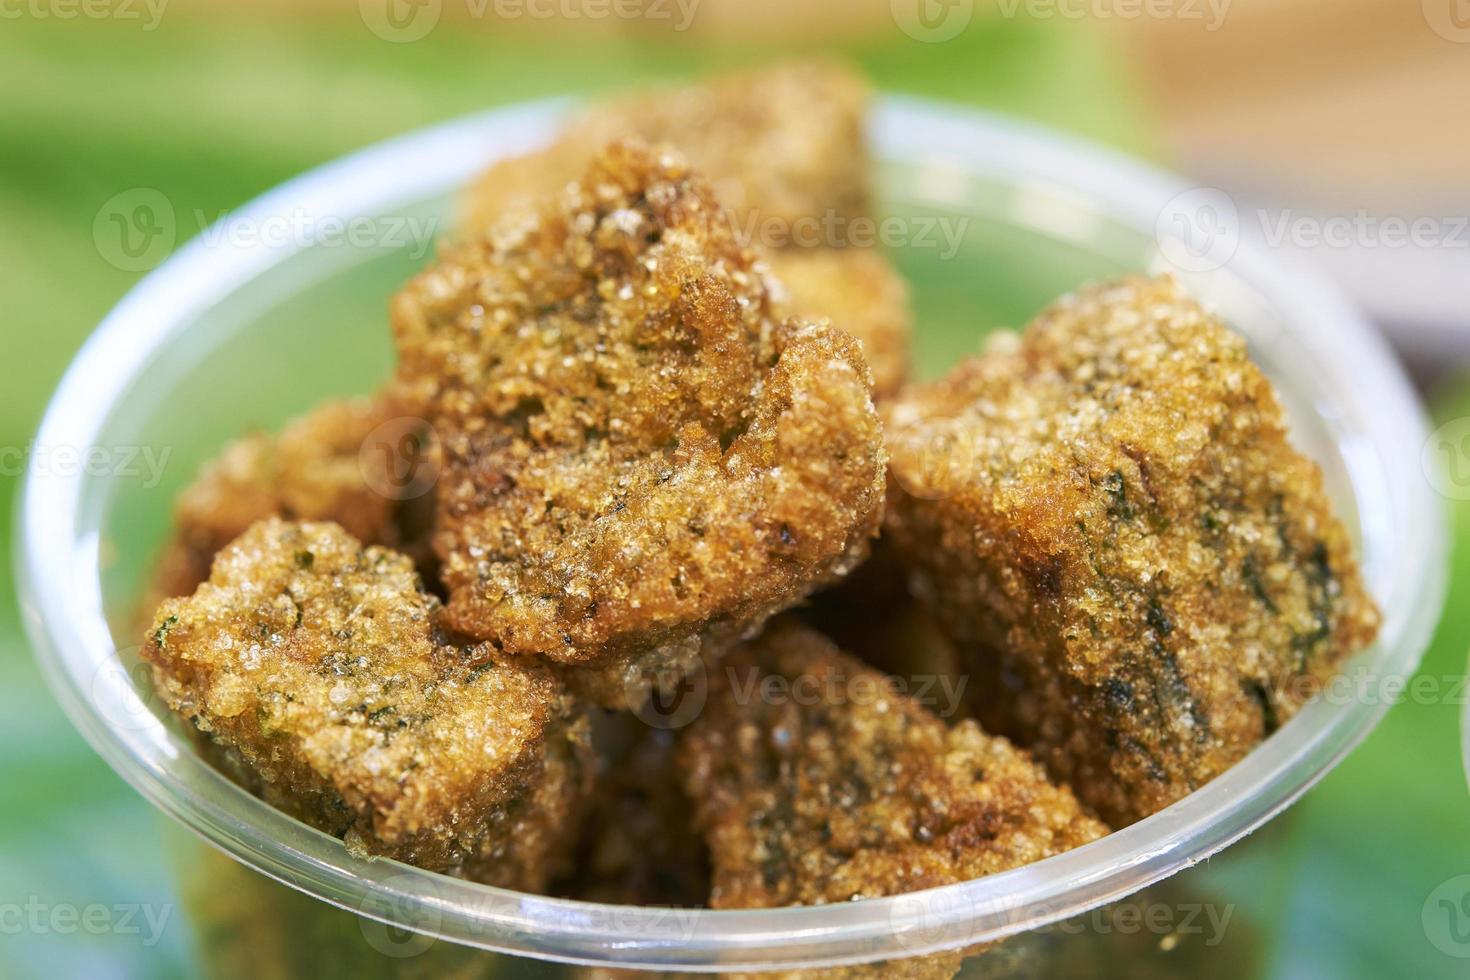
x=239, y=332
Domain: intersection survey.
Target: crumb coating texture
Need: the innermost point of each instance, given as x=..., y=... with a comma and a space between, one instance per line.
x=832, y=786
x=860, y=292
x=637, y=458
x=311, y=471
x=1107, y=512
x=787, y=160
x=318, y=666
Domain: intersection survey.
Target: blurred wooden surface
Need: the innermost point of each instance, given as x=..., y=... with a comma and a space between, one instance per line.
x=1343, y=102
x=1349, y=102
x=1358, y=102
x=1336, y=102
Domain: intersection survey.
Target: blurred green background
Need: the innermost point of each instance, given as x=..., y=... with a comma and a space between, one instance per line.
x=213, y=104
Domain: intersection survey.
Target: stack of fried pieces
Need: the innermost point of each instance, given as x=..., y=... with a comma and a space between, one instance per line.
x=661, y=454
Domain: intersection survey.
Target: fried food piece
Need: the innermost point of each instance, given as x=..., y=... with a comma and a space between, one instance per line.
x=788, y=159
x=1109, y=514
x=313, y=470
x=639, y=463
x=782, y=145
x=859, y=291
x=816, y=781
x=638, y=844
x=318, y=664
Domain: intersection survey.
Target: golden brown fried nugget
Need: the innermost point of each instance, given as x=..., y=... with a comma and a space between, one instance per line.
x=781, y=144
x=638, y=844
x=788, y=158
x=816, y=781
x=1109, y=512
x=312, y=471
x=318, y=665
x=638, y=461
x=860, y=292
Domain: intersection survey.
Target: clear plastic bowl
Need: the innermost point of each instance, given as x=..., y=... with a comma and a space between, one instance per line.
x=250, y=328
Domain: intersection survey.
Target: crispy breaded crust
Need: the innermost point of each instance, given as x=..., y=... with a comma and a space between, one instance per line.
x=311, y=471
x=826, y=785
x=318, y=665
x=638, y=460
x=1110, y=513
x=789, y=148
x=781, y=143
x=860, y=292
